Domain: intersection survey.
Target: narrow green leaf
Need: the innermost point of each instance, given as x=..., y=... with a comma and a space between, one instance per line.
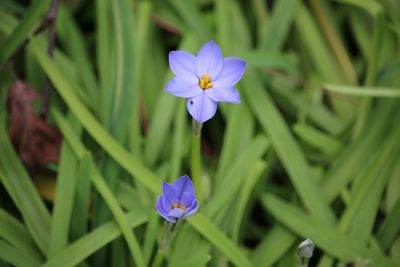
x=64, y=200
x=12, y=231
x=363, y=91
x=287, y=148
x=25, y=28
x=341, y=246
x=15, y=257
x=88, y=121
x=212, y=233
x=318, y=139
x=390, y=227
x=273, y=246
x=24, y=194
x=96, y=239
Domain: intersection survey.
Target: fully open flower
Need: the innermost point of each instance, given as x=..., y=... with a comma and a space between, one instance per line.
x=178, y=200
x=205, y=80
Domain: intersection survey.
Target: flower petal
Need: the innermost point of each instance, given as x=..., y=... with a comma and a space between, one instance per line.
x=232, y=70
x=184, y=184
x=201, y=107
x=187, y=199
x=221, y=92
x=209, y=60
x=184, y=86
x=192, y=210
x=176, y=213
x=161, y=210
x=171, y=194
x=182, y=63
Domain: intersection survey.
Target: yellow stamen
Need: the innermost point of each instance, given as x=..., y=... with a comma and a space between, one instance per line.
x=205, y=82
x=177, y=205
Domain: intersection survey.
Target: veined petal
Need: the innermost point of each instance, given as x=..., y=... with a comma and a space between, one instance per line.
x=176, y=213
x=182, y=63
x=232, y=70
x=184, y=86
x=209, y=60
x=161, y=210
x=187, y=199
x=170, y=193
x=184, y=184
x=201, y=107
x=221, y=92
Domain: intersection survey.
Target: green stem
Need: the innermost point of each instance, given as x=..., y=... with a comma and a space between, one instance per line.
x=158, y=259
x=196, y=160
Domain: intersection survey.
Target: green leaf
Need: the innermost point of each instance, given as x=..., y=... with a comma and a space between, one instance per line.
x=15, y=257
x=96, y=239
x=363, y=91
x=23, y=193
x=334, y=243
x=212, y=233
x=287, y=148
x=25, y=29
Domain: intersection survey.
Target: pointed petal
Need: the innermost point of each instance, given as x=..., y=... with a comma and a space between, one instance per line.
x=201, y=107
x=176, y=213
x=187, y=199
x=161, y=210
x=232, y=70
x=184, y=86
x=182, y=63
x=184, y=184
x=170, y=193
x=221, y=92
x=209, y=60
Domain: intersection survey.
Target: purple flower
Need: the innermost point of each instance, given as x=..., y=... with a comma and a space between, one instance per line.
x=205, y=80
x=178, y=200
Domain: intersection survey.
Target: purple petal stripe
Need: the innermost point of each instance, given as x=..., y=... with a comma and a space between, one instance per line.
x=209, y=60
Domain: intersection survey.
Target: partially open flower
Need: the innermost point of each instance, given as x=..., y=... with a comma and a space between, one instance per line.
x=205, y=80
x=178, y=200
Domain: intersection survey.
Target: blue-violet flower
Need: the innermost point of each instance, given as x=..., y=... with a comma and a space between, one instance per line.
x=178, y=200
x=205, y=80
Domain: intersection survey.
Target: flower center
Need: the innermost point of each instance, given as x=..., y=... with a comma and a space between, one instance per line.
x=177, y=205
x=205, y=82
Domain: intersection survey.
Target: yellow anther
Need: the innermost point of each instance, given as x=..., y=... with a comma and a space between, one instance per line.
x=205, y=82
x=177, y=205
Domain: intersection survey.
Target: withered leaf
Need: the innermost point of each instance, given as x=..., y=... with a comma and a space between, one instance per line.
x=35, y=140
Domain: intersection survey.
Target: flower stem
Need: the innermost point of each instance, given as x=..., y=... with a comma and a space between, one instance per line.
x=196, y=160
x=159, y=258
x=167, y=235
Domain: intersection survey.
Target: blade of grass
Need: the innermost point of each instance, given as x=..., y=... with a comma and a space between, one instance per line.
x=82, y=198
x=273, y=246
x=96, y=239
x=390, y=227
x=287, y=148
x=15, y=233
x=15, y=257
x=252, y=178
x=21, y=189
x=325, y=143
x=363, y=91
x=341, y=246
x=283, y=15
x=212, y=233
x=25, y=28
x=64, y=200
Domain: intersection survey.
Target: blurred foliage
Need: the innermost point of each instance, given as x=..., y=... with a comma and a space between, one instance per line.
x=311, y=152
